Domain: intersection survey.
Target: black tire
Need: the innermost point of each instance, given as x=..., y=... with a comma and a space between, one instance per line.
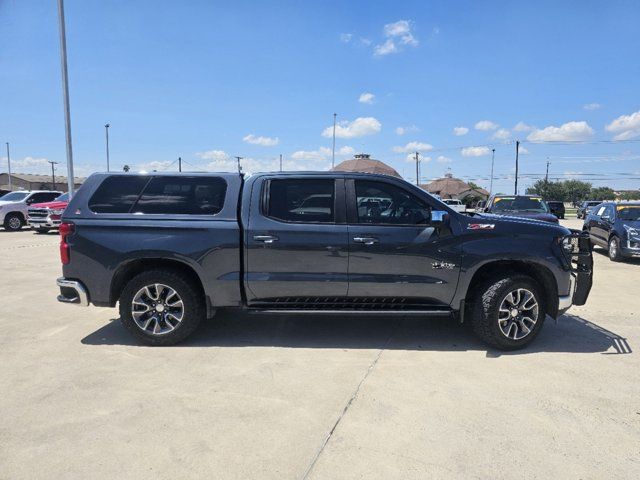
x=614, y=249
x=486, y=302
x=42, y=230
x=189, y=292
x=13, y=222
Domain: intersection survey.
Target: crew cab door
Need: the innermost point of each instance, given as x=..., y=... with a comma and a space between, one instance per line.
x=296, y=239
x=394, y=248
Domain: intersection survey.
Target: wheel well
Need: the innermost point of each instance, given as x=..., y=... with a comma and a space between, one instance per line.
x=540, y=274
x=129, y=270
x=18, y=214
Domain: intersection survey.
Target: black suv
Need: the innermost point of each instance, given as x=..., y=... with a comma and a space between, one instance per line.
x=586, y=207
x=557, y=208
x=615, y=226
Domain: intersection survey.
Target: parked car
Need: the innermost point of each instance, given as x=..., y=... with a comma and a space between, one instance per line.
x=172, y=250
x=586, y=207
x=479, y=206
x=456, y=205
x=557, y=208
x=523, y=206
x=14, y=206
x=616, y=227
x=45, y=216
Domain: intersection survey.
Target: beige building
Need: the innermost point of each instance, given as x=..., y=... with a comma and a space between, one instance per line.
x=451, y=187
x=28, y=181
x=362, y=162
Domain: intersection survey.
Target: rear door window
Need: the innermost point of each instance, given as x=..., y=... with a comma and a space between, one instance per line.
x=302, y=200
x=182, y=196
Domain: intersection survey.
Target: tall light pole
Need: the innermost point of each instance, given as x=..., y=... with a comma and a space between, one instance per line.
x=180, y=164
x=9, y=166
x=53, y=174
x=65, y=94
x=280, y=162
x=106, y=131
x=493, y=156
x=333, y=149
x=517, y=151
x=417, y=169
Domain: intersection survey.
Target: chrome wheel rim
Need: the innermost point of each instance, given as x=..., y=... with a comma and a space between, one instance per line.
x=14, y=223
x=518, y=314
x=613, y=248
x=157, y=309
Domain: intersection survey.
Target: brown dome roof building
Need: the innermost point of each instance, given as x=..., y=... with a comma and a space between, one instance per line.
x=451, y=187
x=362, y=162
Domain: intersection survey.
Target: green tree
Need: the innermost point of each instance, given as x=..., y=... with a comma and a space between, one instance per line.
x=549, y=190
x=474, y=186
x=630, y=195
x=576, y=190
x=603, y=193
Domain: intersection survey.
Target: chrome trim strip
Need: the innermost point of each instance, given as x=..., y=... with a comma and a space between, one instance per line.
x=82, y=299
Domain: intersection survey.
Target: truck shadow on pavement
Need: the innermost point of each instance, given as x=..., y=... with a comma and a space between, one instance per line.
x=572, y=334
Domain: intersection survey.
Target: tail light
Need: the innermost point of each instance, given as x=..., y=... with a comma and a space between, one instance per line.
x=66, y=229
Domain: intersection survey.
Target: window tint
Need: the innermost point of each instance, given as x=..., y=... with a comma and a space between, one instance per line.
x=117, y=194
x=383, y=203
x=182, y=196
x=298, y=200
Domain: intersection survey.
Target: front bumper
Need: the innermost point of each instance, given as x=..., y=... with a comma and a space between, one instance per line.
x=47, y=222
x=630, y=247
x=580, y=262
x=72, y=291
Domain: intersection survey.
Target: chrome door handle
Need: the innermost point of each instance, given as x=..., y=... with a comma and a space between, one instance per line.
x=265, y=238
x=366, y=240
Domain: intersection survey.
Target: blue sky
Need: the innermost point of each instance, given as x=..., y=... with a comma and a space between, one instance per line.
x=207, y=80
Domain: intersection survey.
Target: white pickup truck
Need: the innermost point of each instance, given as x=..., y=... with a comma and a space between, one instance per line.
x=456, y=205
x=15, y=205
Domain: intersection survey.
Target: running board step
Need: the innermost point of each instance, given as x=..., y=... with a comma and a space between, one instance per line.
x=346, y=311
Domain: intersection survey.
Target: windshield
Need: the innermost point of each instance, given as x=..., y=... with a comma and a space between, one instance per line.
x=519, y=204
x=63, y=198
x=630, y=213
x=14, y=196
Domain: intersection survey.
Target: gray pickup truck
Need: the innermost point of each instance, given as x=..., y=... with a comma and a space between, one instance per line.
x=173, y=249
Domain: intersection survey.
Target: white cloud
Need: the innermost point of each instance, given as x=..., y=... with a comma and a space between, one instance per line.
x=502, y=134
x=475, y=151
x=413, y=147
x=485, y=125
x=404, y=130
x=522, y=150
x=397, y=33
x=522, y=127
x=411, y=158
x=322, y=153
x=366, y=97
x=29, y=162
x=220, y=161
x=460, y=131
x=592, y=106
x=360, y=127
x=443, y=159
x=346, y=37
x=570, y=131
x=625, y=126
x=263, y=141
x=213, y=155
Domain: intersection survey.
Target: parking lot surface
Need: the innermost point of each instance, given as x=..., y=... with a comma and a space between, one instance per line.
x=281, y=397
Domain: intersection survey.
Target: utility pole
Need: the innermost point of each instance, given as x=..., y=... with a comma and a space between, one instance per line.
x=53, y=175
x=65, y=94
x=493, y=156
x=280, y=162
x=546, y=177
x=180, y=164
x=417, y=169
x=517, y=151
x=333, y=149
x=239, y=167
x=9, y=166
x=106, y=130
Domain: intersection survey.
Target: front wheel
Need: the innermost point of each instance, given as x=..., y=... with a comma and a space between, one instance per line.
x=508, y=311
x=13, y=222
x=161, y=307
x=614, y=250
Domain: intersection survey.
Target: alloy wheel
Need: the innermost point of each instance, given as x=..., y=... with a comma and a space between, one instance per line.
x=157, y=309
x=518, y=314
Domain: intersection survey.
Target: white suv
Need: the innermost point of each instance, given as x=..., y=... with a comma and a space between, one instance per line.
x=14, y=206
x=456, y=205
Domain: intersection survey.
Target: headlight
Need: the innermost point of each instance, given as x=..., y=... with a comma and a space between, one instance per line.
x=569, y=244
x=57, y=212
x=632, y=232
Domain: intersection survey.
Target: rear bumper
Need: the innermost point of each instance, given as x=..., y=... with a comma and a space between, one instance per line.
x=72, y=291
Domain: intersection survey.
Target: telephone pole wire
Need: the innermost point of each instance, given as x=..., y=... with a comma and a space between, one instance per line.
x=65, y=94
x=517, y=152
x=9, y=166
x=333, y=149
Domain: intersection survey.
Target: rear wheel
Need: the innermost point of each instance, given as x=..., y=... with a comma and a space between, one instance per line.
x=508, y=311
x=13, y=222
x=161, y=307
